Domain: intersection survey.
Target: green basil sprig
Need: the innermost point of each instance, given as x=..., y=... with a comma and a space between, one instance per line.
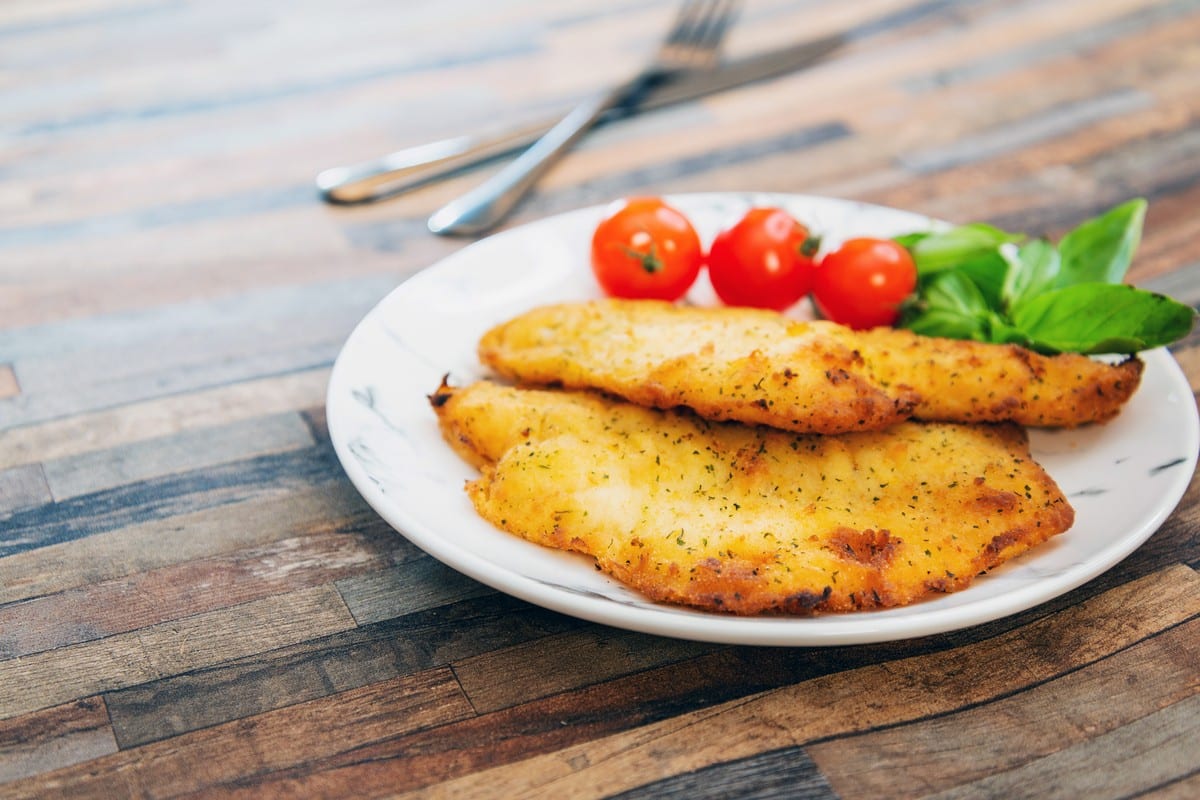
x=979, y=282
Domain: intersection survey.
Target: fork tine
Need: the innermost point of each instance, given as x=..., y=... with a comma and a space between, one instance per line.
x=690, y=15
x=692, y=42
x=721, y=16
x=699, y=27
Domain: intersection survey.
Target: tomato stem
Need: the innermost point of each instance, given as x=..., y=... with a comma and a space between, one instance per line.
x=649, y=260
x=810, y=246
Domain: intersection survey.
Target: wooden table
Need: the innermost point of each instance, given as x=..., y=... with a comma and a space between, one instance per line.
x=195, y=600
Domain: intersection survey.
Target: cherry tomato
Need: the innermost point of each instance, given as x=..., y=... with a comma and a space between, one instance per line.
x=764, y=260
x=645, y=248
x=862, y=283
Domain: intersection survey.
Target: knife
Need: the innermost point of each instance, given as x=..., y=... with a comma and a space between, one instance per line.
x=407, y=169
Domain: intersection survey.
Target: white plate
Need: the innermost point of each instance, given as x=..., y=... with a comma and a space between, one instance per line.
x=1123, y=478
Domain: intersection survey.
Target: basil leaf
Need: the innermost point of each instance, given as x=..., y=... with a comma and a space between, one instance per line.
x=1101, y=249
x=1031, y=271
x=950, y=306
x=1001, y=331
x=1102, y=318
x=989, y=272
x=947, y=324
x=909, y=240
x=949, y=249
x=979, y=282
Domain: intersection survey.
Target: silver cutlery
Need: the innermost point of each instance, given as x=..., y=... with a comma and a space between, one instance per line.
x=692, y=43
x=407, y=169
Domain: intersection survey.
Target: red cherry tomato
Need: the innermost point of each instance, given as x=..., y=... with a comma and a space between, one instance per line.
x=645, y=248
x=862, y=283
x=764, y=260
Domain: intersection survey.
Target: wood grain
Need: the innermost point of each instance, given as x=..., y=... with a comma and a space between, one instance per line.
x=182, y=452
x=570, y=660
x=1011, y=733
x=260, y=743
x=515, y=733
x=404, y=589
x=51, y=677
x=8, y=382
x=594, y=754
x=1099, y=767
x=55, y=737
x=188, y=361
x=251, y=522
x=787, y=772
x=161, y=498
x=324, y=666
x=1176, y=790
x=870, y=697
x=135, y=422
x=24, y=486
x=174, y=592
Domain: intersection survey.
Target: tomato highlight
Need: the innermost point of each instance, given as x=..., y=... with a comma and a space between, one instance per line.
x=862, y=283
x=765, y=260
x=645, y=248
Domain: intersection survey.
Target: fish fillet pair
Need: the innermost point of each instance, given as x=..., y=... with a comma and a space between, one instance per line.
x=659, y=478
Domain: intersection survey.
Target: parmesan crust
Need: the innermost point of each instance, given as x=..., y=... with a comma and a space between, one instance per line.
x=748, y=519
x=761, y=367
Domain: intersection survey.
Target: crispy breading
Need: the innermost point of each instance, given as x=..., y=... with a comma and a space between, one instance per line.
x=749, y=519
x=965, y=381
x=740, y=364
x=810, y=377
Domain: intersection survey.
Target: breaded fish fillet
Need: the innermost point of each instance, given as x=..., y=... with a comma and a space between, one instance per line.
x=750, y=519
x=810, y=377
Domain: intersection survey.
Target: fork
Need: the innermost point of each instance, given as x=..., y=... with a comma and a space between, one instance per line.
x=692, y=43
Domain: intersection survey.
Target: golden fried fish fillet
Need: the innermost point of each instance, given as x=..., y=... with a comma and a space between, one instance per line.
x=810, y=377
x=750, y=519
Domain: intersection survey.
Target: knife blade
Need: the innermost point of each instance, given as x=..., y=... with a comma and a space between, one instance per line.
x=403, y=170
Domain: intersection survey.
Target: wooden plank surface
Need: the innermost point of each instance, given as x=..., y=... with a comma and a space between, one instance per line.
x=8, y=382
x=196, y=602
x=1012, y=735
x=55, y=737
